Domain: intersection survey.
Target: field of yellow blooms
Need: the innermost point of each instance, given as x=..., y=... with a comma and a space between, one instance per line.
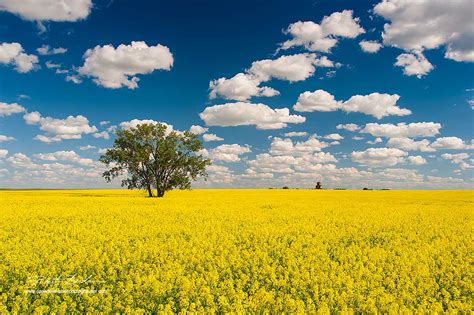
x=218, y=251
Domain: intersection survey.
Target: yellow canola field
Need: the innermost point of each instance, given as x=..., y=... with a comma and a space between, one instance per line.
x=252, y=251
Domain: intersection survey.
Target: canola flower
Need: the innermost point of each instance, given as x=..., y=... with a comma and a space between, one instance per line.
x=244, y=251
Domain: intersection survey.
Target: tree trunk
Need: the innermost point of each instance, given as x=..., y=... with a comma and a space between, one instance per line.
x=150, y=192
x=160, y=193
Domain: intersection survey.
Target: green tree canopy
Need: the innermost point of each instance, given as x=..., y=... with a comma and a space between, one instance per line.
x=151, y=157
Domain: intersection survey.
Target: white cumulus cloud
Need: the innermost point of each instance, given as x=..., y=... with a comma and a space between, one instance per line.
x=416, y=160
x=46, y=50
x=376, y=140
x=72, y=127
x=290, y=68
x=4, y=138
x=69, y=156
x=318, y=100
x=48, y=10
x=52, y=65
x=419, y=25
x=378, y=105
x=226, y=152
x=333, y=136
x=348, y=127
x=114, y=68
x=414, y=64
x=403, y=130
x=408, y=144
x=243, y=86
x=323, y=37
x=453, y=143
x=10, y=109
x=87, y=147
x=103, y=134
x=198, y=130
x=370, y=46
x=211, y=137
x=241, y=113
x=272, y=164
x=281, y=146
x=378, y=157
x=460, y=159
x=296, y=134
x=13, y=54
x=135, y=122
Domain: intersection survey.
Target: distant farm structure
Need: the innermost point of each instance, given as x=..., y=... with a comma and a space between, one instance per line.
x=319, y=185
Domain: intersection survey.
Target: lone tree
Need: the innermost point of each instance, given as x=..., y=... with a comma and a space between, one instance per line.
x=155, y=158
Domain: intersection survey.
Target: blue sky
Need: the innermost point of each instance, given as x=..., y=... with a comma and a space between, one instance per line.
x=252, y=73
